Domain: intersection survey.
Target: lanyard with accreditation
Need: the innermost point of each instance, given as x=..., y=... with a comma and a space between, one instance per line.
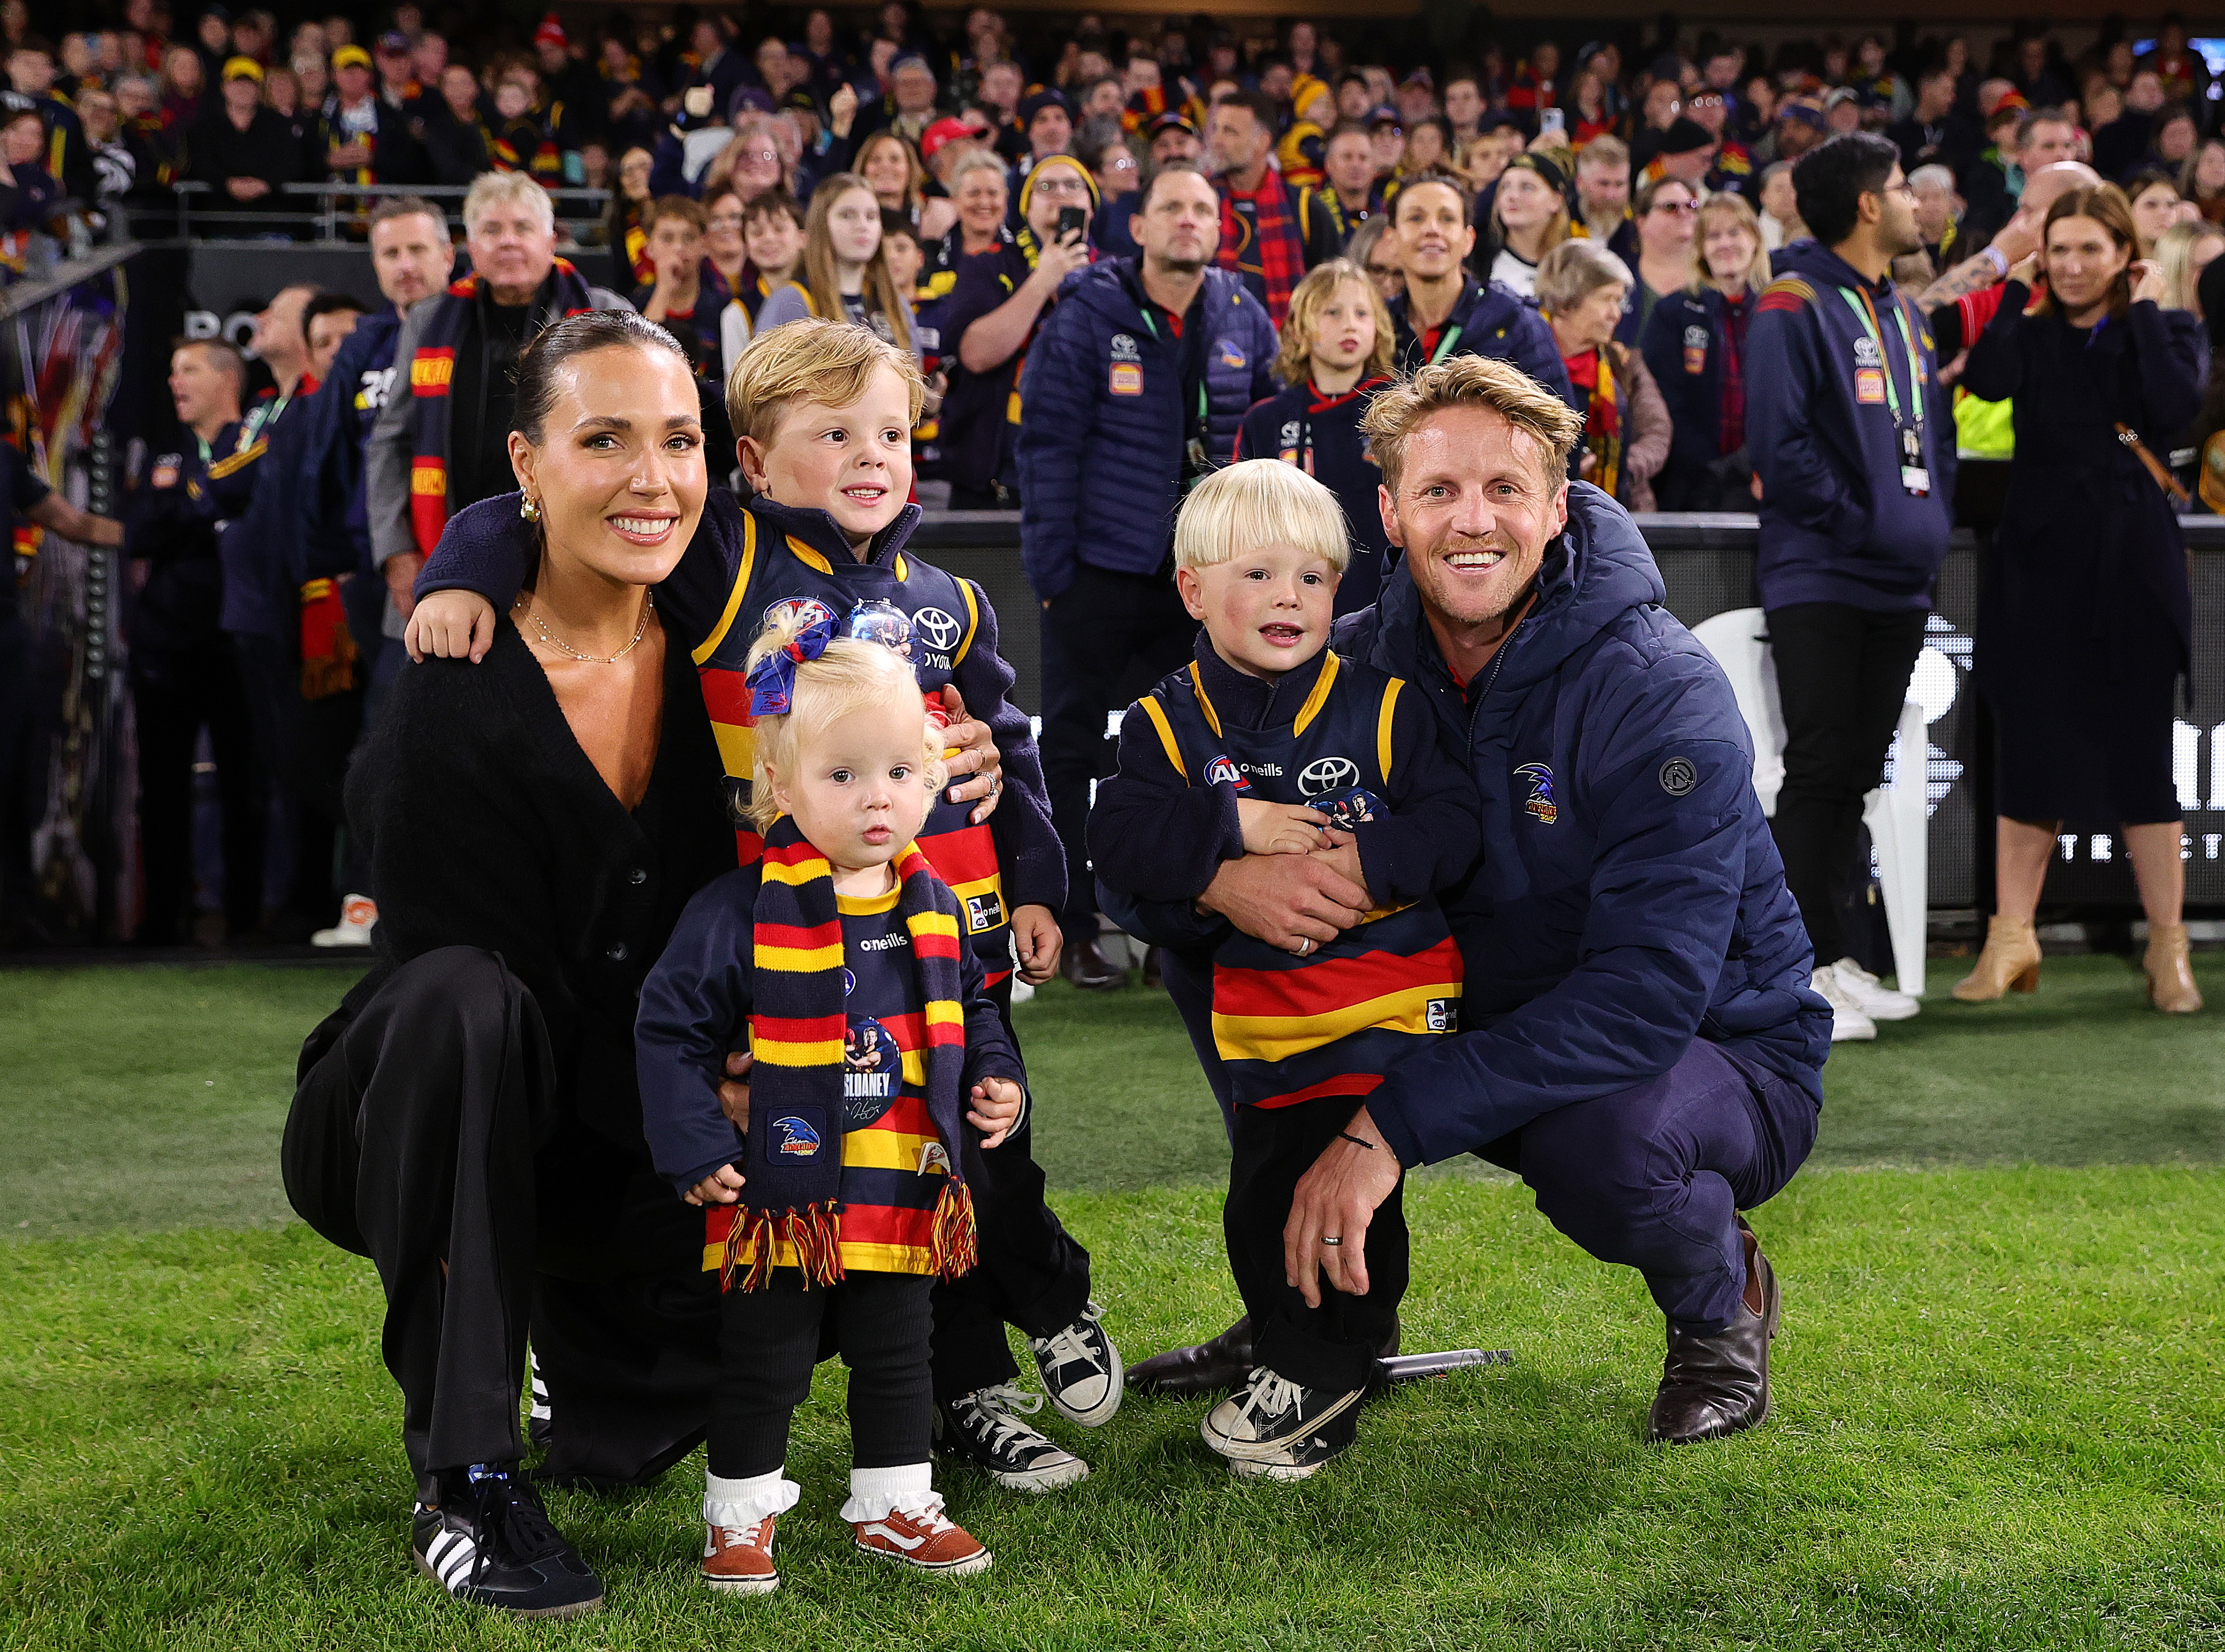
x=1913, y=475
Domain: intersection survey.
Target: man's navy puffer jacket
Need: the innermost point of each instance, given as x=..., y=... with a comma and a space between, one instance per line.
x=1102, y=424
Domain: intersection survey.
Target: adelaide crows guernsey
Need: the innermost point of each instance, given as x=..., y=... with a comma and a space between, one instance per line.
x=945, y=614
x=1288, y=1028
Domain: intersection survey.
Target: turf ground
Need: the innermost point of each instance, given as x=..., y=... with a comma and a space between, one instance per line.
x=1999, y=1389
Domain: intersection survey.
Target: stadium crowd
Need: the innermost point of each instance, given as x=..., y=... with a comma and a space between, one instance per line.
x=1121, y=259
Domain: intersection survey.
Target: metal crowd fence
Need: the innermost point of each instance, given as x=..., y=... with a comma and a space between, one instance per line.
x=331, y=211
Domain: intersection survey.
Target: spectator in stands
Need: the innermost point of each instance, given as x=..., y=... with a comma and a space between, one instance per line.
x=1934, y=132
x=1134, y=388
x=2201, y=181
x=1335, y=356
x=2181, y=254
x=2155, y=203
x=185, y=78
x=244, y=151
x=28, y=192
x=1779, y=208
x=184, y=677
x=2118, y=143
x=1603, y=196
x=688, y=299
x=1695, y=347
x=1667, y=216
x=1581, y=288
x=846, y=273
x=725, y=253
x=1046, y=126
x=1444, y=311
x=454, y=134
x=998, y=305
x=891, y=171
x=622, y=226
x=31, y=73
x=1937, y=211
x=2042, y=137
x=1375, y=249
x=445, y=444
x=1262, y=236
x=367, y=140
x=2080, y=671
x=1427, y=147
x=1352, y=194
x=772, y=230
x=1529, y=219
x=1855, y=448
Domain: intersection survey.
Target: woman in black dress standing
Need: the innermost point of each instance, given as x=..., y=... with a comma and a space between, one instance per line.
x=2086, y=624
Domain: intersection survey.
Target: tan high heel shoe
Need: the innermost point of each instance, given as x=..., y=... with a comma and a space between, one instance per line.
x=2170, y=974
x=2010, y=962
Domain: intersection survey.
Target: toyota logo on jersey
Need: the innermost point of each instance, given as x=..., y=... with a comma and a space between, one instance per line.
x=938, y=627
x=1327, y=775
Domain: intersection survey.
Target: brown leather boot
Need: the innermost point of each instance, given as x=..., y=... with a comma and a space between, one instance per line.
x=1719, y=1385
x=2009, y=962
x=2171, y=970
x=1090, y=970
x=1219, y=1366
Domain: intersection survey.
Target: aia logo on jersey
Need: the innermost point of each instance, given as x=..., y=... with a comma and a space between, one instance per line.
x=807, y=610
x=1223, y=772
x=1540, y=804
x=793, y=1139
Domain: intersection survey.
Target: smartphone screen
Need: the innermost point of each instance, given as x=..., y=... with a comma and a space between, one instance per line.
x=1552, y=121
x=1070, y=221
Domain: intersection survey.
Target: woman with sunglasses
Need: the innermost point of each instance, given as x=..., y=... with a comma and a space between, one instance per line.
x=1666, y=214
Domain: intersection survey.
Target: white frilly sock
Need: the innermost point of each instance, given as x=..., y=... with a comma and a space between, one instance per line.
x=874, y=1492
x=742, y=1502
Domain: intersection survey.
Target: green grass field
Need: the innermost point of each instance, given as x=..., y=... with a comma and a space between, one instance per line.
x=1999, y=1388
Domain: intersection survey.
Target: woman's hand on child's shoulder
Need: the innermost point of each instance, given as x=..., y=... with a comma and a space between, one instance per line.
x=722, y=1186
x=995, y=1110
x=449, y=625
x=1278, y=828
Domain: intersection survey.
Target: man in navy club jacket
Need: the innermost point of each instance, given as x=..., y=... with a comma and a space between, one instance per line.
x=1134, y=389
x=1853, y=438
x=1638, y=1040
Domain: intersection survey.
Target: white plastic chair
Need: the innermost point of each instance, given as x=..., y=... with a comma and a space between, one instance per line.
x=1896, y=814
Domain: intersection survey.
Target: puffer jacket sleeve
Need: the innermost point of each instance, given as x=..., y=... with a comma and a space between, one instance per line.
x=1057, y=394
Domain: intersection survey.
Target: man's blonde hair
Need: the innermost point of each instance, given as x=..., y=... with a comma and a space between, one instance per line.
x=1294, y=361
x=506, y=189
x=1471, y=381
x=1260, y=502
x=851, y=675
x=812, y=361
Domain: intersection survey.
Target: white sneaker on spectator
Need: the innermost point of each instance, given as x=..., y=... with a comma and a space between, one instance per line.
x=1879, y=1002
x=359, y=917
x=1849, y=1020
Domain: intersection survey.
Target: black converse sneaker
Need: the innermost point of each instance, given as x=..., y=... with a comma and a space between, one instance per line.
x=1271, y=1415
x=979, y=1428
x=1082, y=1370
x=1305, y=1457
x=489, y=1544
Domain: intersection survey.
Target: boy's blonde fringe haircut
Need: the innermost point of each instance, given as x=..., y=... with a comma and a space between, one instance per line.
x=813, y=360
x=849, y=676
x=1260, y=502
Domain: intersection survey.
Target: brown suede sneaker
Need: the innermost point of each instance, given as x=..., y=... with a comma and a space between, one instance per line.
x=738, y=1558
x=923, y=1540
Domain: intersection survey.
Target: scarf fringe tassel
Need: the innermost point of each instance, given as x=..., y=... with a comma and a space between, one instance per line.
x=954, y=1246
x=815, y=1233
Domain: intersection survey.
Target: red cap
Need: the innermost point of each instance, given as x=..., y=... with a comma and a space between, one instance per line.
x=551, y=32
x=941, y=132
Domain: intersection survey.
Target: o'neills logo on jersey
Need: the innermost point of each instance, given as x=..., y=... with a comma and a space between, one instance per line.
x=1223, y=772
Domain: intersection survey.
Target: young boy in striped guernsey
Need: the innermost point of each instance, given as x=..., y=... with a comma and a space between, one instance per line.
x=1269, y=743
x=837, y=958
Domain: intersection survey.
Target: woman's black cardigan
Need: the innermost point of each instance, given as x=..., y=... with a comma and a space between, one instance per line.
x=485, y=825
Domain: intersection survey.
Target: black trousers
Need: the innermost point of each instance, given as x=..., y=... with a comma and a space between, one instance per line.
x=305, y=745
x=770, y=1340
x=1033, y=1273
x=1103, y=636
x=175, y=694
x=1335, y=1345
x=430, y=1133
x=1842, y=679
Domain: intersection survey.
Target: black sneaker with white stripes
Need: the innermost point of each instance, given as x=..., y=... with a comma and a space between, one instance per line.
x=1305, y=1457
x=1272, y=1414
x=979, y=1428
x=489, y=1544
x=1082, y=1370
x=540, y=1418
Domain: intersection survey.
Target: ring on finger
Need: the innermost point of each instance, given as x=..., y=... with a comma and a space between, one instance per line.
x=1305, y=945
x=1332, y=1239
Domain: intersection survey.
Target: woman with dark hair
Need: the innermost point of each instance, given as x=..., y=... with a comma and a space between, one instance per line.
x=624, y=232
x=2155, y=202
x=1666, y=217
x=2086, y=624
x=468, y=1118
x=2202, y=180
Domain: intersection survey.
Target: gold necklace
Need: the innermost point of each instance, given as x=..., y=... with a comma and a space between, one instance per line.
x=525, y=603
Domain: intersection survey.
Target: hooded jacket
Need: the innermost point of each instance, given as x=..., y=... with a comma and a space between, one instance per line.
x=1104, y=425
x=1489, y=320
x=1837, y=523
x=1630, y=898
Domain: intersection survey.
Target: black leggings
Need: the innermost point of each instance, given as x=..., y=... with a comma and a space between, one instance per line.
x=770, y=1340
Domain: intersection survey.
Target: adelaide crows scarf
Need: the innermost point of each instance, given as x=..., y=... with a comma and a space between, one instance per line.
x=792, y=1160
x=433, y=368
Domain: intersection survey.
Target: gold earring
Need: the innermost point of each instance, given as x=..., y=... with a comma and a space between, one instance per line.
x=529, y=507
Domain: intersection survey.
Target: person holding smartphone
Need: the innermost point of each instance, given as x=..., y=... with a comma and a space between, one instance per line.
x=999, y=301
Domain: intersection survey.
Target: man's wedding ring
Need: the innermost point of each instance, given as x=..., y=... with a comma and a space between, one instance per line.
x=1305, y=945
x=1331, y=1239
